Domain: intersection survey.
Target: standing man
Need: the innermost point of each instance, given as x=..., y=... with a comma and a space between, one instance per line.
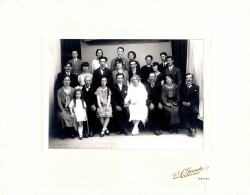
x=76, y=63
x=120, y=110
x=102, y=71
x=189, y=108
x=154, y=104
x=120, y=51
x=173, y=70
x=163, y=65
x=146, y=69
x=60, y=76
x=88, y=91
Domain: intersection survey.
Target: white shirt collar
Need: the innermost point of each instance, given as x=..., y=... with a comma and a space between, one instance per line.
x=67, y=73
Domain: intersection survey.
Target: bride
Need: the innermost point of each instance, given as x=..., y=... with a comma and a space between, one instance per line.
x=136, y=100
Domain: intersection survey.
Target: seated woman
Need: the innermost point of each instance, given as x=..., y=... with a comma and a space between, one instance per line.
x=159, y=76
x=119, y=65
x=64, y=96
x=104, y=110
x=136, y=100
x=170, y=97
x=85, y=72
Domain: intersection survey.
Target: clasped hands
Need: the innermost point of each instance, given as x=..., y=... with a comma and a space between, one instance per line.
x=151, y=106
x=187, y=104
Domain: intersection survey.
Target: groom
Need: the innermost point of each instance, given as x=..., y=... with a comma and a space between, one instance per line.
x=120, y=110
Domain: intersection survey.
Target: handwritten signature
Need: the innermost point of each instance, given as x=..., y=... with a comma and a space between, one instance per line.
x=188, y=172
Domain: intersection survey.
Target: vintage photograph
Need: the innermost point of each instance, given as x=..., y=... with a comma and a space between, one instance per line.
x=126, y=94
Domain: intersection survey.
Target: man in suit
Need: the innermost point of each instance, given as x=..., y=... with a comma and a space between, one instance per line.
x=163, y=65
x=120, y=51
x=102, y=71
x=133, y=69
x=189, y=108
x=173, y=70
x=67, y=71
x=88, y=91
x=146, y=69
x=120, y=110
x=154, y=104
x=76, y=64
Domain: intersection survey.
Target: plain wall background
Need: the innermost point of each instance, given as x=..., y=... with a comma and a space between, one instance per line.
x=141, y=50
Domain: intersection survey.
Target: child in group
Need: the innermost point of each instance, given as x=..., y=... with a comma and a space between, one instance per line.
x=78, y=110
x=104, y=110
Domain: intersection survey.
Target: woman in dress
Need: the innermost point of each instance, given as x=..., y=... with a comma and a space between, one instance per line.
x=95, y=63
x=119, y=65
x=136, y=100
x=64, y=96
x=159, y=76
x=104, y=110
x=170, y=97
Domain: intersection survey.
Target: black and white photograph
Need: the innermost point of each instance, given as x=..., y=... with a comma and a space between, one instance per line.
x=126, y=94
x=127, y=97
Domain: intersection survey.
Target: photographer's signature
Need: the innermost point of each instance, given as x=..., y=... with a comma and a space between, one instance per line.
x=188, y=172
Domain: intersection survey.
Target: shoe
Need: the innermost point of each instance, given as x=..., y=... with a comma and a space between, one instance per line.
x=63, y=136
x=80, y=138
x=72, y=136
x=189, y=132
x=102, y=134
x=193, y=131
x=157, y=132
x=85, y=136
x=91, y=134
x=125, y=132
x=160, y=131
x=178, y=131
x=171, y=131
x=106, y=132
x=118, y=132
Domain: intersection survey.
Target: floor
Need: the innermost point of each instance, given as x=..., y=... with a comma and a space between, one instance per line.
x=145, y=140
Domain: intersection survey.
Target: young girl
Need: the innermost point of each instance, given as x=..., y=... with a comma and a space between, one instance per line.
x=104, y=110
x=78, y=109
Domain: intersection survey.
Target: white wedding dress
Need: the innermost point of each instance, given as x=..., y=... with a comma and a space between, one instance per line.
x=137, y=97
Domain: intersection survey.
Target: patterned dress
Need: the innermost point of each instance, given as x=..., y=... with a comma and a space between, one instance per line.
x=104, y=110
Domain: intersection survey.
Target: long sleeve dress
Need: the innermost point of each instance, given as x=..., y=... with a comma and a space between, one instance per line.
x=63, y=99
x=137, y=97
x=170, y=95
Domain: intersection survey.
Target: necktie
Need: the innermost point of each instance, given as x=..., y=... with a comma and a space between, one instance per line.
x=87, y=88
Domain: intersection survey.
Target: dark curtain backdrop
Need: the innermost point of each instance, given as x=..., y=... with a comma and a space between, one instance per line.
x=67, y=46
x=179, y=52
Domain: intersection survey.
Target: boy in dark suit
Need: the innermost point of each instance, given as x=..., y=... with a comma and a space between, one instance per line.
x=189, y=109
x=134, y=70
x=76, y=63
x=163, y=65
x=146, y=69
x=102, y=72
x=120, y=110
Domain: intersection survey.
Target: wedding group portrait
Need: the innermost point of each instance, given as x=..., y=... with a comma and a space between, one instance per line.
x=126, y=94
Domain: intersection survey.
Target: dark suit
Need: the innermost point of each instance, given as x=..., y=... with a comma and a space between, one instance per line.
x=120, y=118
x=76, y=66
x=176, y=73
x=154, y=97
x=130, y=73
x=90, y=99
x=161, y=67
x=145, y=71
x=189, y=114
x=97, y=76
x=59, y=80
